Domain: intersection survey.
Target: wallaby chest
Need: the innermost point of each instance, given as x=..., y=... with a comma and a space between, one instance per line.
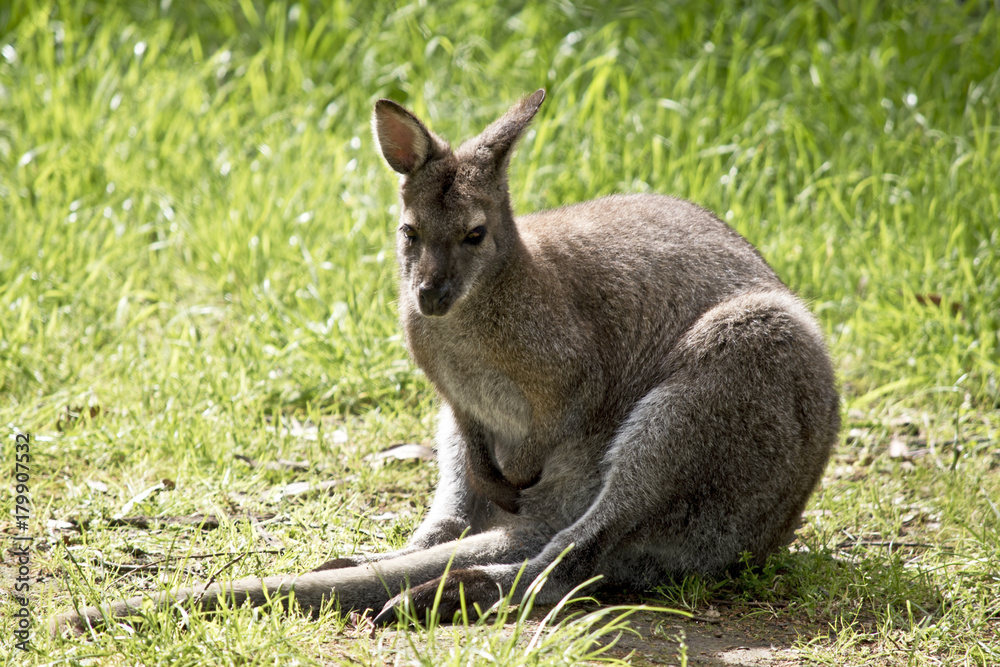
x=504, y=393
x=491, y=398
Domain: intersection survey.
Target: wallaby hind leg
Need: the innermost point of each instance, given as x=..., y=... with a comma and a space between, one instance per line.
x=717, y=460
x=355, y=588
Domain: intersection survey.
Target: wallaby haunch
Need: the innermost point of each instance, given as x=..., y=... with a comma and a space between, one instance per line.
x=626, y=376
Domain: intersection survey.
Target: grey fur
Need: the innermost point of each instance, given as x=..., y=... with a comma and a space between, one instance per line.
x=626, y=375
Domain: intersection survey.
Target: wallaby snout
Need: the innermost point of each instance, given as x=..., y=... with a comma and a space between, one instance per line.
x=434, y=298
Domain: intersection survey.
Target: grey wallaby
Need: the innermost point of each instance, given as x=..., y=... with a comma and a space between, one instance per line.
x=626, y=376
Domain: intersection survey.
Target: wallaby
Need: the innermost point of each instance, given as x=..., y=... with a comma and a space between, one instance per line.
x=624, y=376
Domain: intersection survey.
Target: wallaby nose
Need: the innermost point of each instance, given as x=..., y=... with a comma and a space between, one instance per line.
x=433, y=298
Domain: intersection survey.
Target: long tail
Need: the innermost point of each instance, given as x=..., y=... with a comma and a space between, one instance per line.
x=360, y=588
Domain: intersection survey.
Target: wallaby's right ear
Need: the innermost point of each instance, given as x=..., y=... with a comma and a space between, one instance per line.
x=405, y=143
x=493, y=146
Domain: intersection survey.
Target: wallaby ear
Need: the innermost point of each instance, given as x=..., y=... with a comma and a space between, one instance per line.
x=496, y=141
x=404, y=141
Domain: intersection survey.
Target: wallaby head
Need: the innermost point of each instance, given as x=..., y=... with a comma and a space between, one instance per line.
x=456, y=226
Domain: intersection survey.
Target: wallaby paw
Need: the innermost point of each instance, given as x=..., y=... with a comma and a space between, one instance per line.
x=416, y=602
x=388, y=615
x=477, y=588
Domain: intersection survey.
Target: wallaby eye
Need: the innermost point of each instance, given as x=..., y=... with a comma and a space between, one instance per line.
x=476, y=236
x=409, y=232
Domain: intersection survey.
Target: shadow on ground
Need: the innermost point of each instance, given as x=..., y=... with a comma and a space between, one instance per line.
x=729, y=639
x=764, y=616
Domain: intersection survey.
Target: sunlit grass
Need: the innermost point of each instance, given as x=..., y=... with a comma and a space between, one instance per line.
x=195, y=249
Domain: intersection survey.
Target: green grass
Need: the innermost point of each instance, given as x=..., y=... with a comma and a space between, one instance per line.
x=196, y=262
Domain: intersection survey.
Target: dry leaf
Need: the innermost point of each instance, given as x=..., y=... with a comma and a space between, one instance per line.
x=898, y=448
x=404, y=452
x=304, y=488
x=138, y=498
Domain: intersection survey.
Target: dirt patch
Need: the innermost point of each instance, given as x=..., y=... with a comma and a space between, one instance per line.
x=728, y=639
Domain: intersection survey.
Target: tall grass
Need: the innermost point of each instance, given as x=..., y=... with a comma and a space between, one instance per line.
x=159, y=158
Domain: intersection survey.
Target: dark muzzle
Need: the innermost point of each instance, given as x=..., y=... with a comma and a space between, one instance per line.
x=434, y=299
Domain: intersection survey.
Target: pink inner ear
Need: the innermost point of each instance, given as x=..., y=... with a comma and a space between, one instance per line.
x=401, y=142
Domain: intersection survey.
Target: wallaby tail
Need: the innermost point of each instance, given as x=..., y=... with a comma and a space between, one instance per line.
x=257, y=591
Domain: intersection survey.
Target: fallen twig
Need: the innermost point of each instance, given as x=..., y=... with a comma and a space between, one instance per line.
x=850, y=544
x=749, y=603
x=155, y=566
x=204, y=521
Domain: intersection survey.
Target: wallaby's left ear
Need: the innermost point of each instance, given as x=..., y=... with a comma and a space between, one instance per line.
x=403, y=140
x=494, y=144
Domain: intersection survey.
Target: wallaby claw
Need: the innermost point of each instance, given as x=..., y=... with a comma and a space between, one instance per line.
x=421, y=599
x=389, y=615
